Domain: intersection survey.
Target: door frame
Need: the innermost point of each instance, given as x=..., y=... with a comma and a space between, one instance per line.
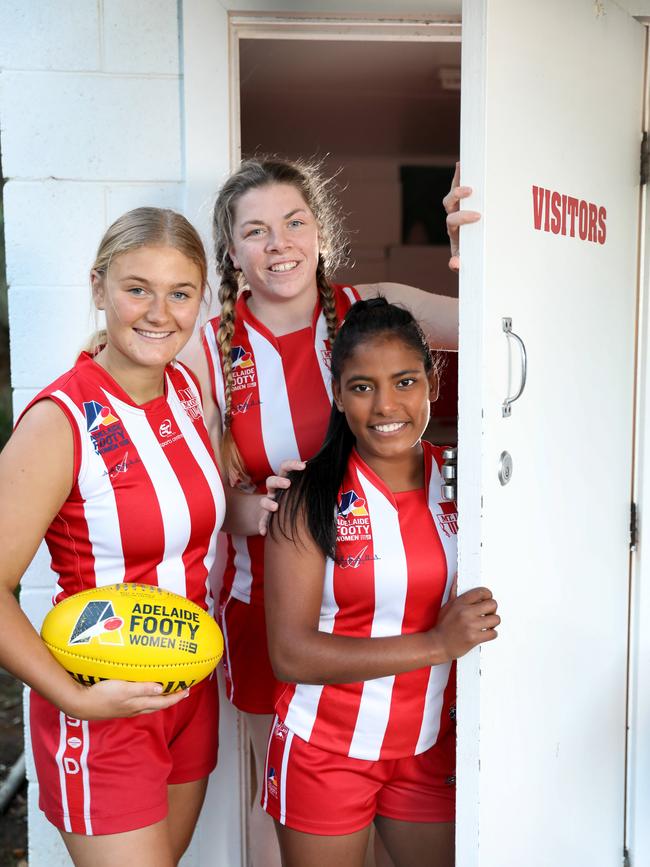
x=637, y=831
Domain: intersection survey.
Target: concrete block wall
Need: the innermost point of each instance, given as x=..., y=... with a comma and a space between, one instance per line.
x=91, y=126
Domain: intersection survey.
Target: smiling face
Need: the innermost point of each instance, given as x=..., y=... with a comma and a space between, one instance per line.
x=385, y=393
x=275, y=243
x=151, y=296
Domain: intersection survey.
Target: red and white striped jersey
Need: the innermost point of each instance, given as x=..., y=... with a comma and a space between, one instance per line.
x=394, y=567
x=147, y=501
x=281, y=401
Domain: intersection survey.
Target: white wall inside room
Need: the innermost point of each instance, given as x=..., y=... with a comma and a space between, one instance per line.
x=368, y=108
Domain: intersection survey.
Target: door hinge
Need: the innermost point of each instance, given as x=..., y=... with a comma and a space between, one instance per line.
x=626, y=858
x=634, y=527
x=645, y=158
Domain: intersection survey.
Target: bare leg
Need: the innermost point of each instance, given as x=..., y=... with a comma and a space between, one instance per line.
x=418, y=844
x=265, y=851
x=159, y=845
x=149, y=847
x=185, y=802
x=382, y=858
x=312, y=850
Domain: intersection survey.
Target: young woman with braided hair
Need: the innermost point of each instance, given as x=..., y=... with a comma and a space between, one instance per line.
x=278, y=238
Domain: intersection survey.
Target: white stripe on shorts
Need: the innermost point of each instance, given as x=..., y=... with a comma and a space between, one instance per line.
x=283, y=779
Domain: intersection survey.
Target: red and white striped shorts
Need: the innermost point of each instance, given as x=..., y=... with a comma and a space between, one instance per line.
x=312, y=790
x=250, y=683
x=110, y=776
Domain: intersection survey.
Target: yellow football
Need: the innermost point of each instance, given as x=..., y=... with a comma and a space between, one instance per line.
x=133, y=632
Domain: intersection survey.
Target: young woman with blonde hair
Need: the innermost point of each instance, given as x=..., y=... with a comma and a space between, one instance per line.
x=112, y=465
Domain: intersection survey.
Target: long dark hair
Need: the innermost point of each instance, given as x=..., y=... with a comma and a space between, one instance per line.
x=313, y=492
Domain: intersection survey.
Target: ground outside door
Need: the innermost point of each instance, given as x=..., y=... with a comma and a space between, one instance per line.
x=551, y=124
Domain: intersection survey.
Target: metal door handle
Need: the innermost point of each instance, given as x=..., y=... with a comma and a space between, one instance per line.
x=506, y=407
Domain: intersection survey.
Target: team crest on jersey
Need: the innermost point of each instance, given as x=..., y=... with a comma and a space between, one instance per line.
x=352, y=520
x=326, y=354
x=280, y=731
x=448, y=523
x=105, y=428
x=97, y=622
x=243, y=368
x=190, y=403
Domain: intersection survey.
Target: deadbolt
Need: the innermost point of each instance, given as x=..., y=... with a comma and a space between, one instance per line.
x=505, y=468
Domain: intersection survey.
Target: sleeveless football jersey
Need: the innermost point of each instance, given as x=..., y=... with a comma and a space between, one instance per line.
x=394, y=567
x=147, y=500
x=281, y=402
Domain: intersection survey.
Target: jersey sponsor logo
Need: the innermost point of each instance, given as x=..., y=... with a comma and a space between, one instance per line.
x=74, y=743
x=352, y=519
x=167, y=433
x=244, y=405
x=353, y=561
x=272, y=783
x=121, y=467
x=352, y=504
x=98, y=621
x=190, y=403
x=98, y=415
x=243, y=369
x=105, y=428
x=241, y=358
x=449, y=524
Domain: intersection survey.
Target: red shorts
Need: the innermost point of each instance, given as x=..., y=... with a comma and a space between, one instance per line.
x=250, y=683
x=312, y=790
x=110, y=776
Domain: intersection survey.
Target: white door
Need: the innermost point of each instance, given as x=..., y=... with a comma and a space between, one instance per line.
x=551, y=127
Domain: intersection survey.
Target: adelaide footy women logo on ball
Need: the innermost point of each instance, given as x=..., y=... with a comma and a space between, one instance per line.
x=133, y=632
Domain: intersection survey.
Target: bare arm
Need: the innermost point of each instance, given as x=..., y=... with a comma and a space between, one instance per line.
x=293, y=576
x=437, y=314
x=246, y=514
x=35, y=482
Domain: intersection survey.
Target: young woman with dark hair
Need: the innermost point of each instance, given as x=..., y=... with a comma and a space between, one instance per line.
x=363, y=620
x=278, y=241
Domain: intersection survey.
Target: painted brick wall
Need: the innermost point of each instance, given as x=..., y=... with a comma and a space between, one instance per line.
x=90, y=109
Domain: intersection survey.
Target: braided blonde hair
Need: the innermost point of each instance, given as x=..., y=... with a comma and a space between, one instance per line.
x=319, y=194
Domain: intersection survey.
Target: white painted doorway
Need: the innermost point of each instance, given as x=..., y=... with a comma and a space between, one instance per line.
x=553, y=98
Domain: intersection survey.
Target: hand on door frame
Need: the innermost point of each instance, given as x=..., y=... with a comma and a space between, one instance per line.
x=457, y=218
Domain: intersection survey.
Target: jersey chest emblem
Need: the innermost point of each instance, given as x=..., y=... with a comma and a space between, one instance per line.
x=448, y=523
x=244, y=374
x=190, y=403
x=352, y=519
x=104, y=428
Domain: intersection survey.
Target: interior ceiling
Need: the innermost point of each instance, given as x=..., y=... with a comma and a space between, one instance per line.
x=383, y=98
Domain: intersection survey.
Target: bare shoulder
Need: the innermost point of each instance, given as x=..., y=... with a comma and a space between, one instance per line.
x=36, y=477
x=41, y=446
